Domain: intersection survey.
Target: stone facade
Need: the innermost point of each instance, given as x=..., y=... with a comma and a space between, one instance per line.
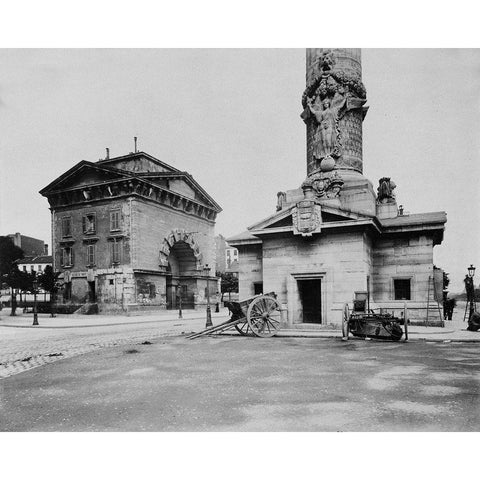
x=335, y=238
x=131, y=233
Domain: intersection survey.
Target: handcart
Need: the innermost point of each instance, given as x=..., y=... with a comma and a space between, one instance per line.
x=259, y=315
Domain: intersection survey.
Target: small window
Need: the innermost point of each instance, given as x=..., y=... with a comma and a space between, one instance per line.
x=67, y=256
x=402, y=289
x=66, y=226
x=111, y=281
x=89, y=224
x=151, y=292
x=258, y=288
x=39, y=268
x=116, y=244
x=90, y=255
x=114, y=220
x=24, y=268
x=32, y=268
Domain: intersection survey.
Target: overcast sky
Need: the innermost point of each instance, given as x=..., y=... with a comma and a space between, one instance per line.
x=231, y=119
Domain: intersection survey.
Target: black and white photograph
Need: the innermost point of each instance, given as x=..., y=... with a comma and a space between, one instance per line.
x=268, y=240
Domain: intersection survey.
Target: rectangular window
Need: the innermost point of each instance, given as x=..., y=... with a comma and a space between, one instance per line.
x=32, y=268
x=66, y=226
x=402, y=289
x=90, y=255
x=24, y=268
x=89, y=223
x=116, y=245
x=67, y=256
x=39, y=268
x=114, y=220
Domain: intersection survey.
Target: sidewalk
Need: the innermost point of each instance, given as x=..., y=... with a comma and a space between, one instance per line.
x=454, y=330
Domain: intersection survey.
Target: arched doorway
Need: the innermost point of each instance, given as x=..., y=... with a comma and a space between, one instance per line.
x=181, y=275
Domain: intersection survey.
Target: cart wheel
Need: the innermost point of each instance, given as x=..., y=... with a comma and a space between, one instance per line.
x=345, y=320
x=263, y=316
x=405, y=318
x=242, y=328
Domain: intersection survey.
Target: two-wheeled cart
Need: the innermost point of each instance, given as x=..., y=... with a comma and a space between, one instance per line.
x=368, y=324
x=259, y=315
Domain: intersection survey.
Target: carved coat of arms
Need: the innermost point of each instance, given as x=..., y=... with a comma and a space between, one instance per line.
x=307, y=218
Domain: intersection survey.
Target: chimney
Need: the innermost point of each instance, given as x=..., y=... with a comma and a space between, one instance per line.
x=108, y=154
x=135, y=140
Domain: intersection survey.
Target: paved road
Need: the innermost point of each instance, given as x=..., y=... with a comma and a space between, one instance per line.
x=251, y=384
x=24, y=348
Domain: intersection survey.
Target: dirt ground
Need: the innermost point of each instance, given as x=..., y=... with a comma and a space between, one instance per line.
x=238, y=384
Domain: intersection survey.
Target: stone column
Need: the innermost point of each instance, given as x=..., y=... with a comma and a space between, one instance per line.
x=334, y=109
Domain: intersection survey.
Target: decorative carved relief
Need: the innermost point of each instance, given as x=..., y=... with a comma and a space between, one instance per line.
x=307, y=218
x=325, y=184
x=327, y=98
x=281, y=198
x=385, y=191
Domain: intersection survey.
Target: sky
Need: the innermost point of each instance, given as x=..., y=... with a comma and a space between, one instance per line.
x=230, y=117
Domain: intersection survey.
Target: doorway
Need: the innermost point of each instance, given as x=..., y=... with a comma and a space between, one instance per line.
x=311, y=298
x=92, y=295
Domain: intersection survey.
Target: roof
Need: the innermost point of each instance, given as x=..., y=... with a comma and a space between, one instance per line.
x=431, y=221
x=34, y=259
x=117, y=173
x=244, y=238
x=138, y=155
x=415, y=219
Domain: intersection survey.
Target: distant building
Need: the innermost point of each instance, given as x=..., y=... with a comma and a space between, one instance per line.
x=131, y=232
x=29, y=245
x=225, y=255
x=34, y=263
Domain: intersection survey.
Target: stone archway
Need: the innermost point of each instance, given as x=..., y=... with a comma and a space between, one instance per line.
x=179, y=235
x=180, y=256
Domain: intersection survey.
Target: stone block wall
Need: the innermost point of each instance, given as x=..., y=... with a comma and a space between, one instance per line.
x=340, y=260
x=403, y=257
x=152, y=223
x=249, y=269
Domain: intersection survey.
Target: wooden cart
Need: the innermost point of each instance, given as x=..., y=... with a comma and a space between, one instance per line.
x=368, y=324
x=259, y=315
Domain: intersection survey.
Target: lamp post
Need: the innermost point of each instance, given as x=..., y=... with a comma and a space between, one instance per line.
x=209, y=323
x=35, y=315
x=179, y=296
x=470, y=290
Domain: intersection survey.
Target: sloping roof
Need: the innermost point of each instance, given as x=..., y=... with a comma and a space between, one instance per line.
x=76, y=169
x=104, y=167
x=243, y=238
x=33, y=259
x=133, y=155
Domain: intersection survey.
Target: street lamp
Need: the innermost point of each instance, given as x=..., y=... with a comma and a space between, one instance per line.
x=471, y=271
x=209, y=323
x=35, y=314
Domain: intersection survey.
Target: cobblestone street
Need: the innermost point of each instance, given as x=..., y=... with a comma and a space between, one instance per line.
x=23, y=348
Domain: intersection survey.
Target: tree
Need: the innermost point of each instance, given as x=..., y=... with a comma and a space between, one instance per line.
x=229, y=283
x=9, y=272
x=16, y=280
x=48, y=280
x=9, y=252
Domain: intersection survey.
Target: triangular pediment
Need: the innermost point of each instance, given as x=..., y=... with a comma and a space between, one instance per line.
x=82, y=174
x=283, y=219
x=139, y=162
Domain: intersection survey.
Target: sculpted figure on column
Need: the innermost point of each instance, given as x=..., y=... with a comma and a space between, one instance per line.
x=327, y=131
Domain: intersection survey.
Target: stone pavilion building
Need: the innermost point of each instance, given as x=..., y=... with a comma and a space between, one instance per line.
x=336, y=238
x=132, y=232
